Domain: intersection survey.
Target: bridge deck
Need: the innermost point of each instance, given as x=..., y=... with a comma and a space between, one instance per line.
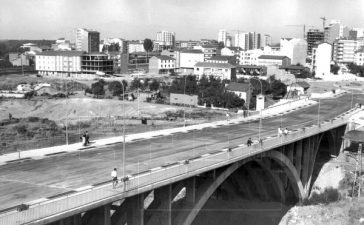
x=34, y=179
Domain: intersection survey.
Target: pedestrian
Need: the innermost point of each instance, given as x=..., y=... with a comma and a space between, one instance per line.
x=114, y=177
x=87, y=137
x=280, y=131
x=249, y=142
x=285, y=131
x=227, y=116
x=83, y=139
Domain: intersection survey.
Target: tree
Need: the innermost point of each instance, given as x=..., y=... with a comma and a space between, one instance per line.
x=148, y=46
x=154, y=85
x=116, y=88
x=98, y=88
x=221, y=45
x=334, y=69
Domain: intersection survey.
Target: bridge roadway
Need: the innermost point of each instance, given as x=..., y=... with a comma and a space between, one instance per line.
x=34, y=179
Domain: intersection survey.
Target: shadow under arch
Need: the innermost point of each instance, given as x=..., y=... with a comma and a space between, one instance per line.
x=322, y=154
x=205, y=191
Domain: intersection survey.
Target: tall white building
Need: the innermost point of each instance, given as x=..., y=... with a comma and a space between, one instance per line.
x=344, y=50
x=87, y=40
x=321, y=59
x=295, y=49
x=222, y=36
x=166, y=38
x=241, y=40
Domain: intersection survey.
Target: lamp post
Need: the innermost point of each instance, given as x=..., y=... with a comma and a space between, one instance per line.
x=184, y=104
x=261, y=93
x=318, y=113
x=123, y=129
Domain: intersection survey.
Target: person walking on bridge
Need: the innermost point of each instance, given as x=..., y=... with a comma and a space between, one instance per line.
x=114, y=177
x=280, y=131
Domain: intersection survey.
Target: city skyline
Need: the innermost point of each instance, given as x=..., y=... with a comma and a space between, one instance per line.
x=190, y=20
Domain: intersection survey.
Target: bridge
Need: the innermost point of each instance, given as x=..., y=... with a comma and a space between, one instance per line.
x=172, y=177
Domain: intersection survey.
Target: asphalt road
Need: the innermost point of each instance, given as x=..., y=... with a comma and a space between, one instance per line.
x=30, y=180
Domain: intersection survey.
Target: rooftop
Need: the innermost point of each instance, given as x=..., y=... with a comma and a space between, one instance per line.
x=164, y=57
x=194, y=51
x=221, y=57
x=303, y=84
x=242, y=87
x=235, y=48
x=61, y=53
x=292, y=67
x=215, y=65
x=276, y=57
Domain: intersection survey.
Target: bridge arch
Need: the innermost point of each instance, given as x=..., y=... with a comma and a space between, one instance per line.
x=208, y=188
x=325, y=148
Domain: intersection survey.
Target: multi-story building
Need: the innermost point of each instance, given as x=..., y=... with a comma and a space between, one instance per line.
x=166, y=39
x=273, y=60
x=208, y=50
x=232, y=51
x=96, y=63
x=359, y=32
x=314, y=37
x=344, y=50
x=87, y=40
x=359, y=57
x=267, y=40
x=295, y=49
x=189, y=58
x=250, y=57
x=241, y=40
x=186, y=44
x=223, y=71
x=135, y=46
x=58, y=63
x=224, y=59
x=107, y=42
x=321, y=59
x=254, y=41
x=222, y=36
x=162, y=64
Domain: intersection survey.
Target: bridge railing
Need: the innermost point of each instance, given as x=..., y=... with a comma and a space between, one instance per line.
x=160, y=176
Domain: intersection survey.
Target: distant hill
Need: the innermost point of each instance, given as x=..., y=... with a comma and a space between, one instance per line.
x=7, y=46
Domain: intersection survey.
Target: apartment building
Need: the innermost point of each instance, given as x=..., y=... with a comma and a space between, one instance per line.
x=162, y=64
x=87, y=40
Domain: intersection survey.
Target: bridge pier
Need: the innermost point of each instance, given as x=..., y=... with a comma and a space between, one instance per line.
x=135, y=210
x=163, y=214
x=98, y=216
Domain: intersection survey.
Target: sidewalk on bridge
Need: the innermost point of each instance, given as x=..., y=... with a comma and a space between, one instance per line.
x=49, y=151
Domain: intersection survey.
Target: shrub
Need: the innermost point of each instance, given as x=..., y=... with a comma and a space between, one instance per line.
x=33, y=119
x=21, y=129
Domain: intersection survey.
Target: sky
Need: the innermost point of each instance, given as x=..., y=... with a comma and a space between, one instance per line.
x=189, y=19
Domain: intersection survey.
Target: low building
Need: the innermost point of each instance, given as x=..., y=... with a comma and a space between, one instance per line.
x=162, y=64
x=293, y=69
x=298, y=88
x=18, y=59
x=269, y=60
x=182, y=99
x=252, y=70
x=243, y=90
x=223, y=71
